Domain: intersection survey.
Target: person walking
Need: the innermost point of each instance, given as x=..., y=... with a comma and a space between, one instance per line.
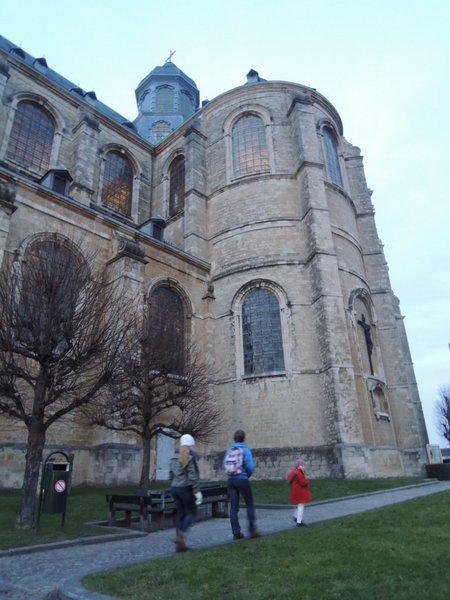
x=299, y=493
x=184, y=481
x=239, y=467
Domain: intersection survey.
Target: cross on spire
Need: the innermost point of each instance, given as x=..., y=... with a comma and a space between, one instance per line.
x=169, y=58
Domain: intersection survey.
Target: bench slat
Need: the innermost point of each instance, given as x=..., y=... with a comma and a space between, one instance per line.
x=159, y=503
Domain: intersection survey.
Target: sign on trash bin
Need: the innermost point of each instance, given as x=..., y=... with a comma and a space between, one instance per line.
x=54, y=485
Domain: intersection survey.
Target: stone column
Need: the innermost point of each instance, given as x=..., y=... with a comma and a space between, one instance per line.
x=7, y=208
x=85, y=147
x=339, y=394
x=126, y=269
x=4, y=76
x=195, y=225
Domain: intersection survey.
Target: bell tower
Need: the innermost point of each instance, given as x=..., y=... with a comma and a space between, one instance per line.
x=165, y=99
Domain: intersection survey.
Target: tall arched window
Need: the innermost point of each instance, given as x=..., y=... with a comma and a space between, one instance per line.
x=117, y=183
x=176, y=193
x=167, y=327
x=249, y=146
x=261, y=332
x=31, y=140
x=334, y=170
x=366, y=336
x=164, y=99
x=52, y=279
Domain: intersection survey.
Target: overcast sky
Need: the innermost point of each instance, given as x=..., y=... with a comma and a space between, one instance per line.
x=384, y=65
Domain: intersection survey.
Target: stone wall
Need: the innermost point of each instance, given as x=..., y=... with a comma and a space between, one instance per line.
x=290, y=229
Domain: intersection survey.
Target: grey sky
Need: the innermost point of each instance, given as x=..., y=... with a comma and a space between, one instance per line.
x=384, y=65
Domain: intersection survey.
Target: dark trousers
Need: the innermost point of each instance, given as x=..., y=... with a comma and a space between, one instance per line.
x=236, y=488
x=184, y=501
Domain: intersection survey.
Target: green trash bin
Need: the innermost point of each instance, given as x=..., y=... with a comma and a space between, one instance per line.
x=56, y=480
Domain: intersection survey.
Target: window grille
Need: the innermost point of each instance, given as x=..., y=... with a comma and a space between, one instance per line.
x=51, y=283
x=249, y=146
x=164, y=99
x=177, y=179
x=334, y=170
x=31, y=140
x=167, y=326
x=262, y=338
x=117, y=183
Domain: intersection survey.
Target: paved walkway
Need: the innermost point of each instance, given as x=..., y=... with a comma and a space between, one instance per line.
x=53, y=572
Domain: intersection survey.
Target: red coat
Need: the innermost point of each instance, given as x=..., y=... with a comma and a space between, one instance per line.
x=300, y=493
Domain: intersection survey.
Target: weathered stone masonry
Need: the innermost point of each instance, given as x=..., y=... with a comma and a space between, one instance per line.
x=273, y=205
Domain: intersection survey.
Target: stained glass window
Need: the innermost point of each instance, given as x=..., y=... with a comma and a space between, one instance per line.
x=31, y=140
x=334, y=170
x=117, y=183
x=176, y=194
x=52, y=280
x=250, y=153
x=164, y=99
x=167, y=324
x=262, y=338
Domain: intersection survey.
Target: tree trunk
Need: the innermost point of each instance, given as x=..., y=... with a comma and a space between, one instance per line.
x=145, y=472
x=33, y=460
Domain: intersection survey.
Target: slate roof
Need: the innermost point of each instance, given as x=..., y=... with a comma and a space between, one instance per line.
x=169, y=69
x=40, y=66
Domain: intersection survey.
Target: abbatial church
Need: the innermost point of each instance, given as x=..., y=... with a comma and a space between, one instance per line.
x=250, y=216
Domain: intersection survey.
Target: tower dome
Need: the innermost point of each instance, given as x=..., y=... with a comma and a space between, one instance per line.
x=165, y=98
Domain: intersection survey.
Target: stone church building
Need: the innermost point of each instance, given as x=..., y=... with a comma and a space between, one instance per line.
x=249, y=214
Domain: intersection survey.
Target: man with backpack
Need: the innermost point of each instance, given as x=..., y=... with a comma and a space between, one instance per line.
x=238, y=466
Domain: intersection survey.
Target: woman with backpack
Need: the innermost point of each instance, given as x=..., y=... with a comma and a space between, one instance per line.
x=184, y=480
x=300, y=493
x=238, y=466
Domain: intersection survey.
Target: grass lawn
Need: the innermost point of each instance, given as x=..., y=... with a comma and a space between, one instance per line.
x=86, y=504
x=394, y=553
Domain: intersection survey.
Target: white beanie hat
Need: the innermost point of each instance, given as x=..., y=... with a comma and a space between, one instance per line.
x=187, y=440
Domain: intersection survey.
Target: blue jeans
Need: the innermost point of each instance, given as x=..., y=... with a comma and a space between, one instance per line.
x=184, y=500
x=236, y=488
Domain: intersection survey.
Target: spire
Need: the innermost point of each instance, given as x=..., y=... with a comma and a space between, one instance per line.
x=166, y=98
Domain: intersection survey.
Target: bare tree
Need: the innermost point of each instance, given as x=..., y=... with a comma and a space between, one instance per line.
x=162, y=388
x=61, y=329
x=442, y=411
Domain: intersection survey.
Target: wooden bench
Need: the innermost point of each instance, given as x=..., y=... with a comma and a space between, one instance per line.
x=153, y=507
x=217, y=497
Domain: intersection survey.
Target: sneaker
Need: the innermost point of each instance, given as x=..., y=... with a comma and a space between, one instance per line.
x=301, y=524
x=238, y=536
x=255, y=534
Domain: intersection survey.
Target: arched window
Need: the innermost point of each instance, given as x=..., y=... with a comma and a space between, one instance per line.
x=52, y=279
x=366, y=336
x=187, y=104
x=249, y=146
x=164, y=99
x=31, y=140
x=334, y=170
x=261, y=333
x=117, y=183
x=167, y=327
x=176, y=193
x=160, y=130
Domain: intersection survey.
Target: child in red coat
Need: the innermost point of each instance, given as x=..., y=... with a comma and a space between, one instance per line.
x=300, y=493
